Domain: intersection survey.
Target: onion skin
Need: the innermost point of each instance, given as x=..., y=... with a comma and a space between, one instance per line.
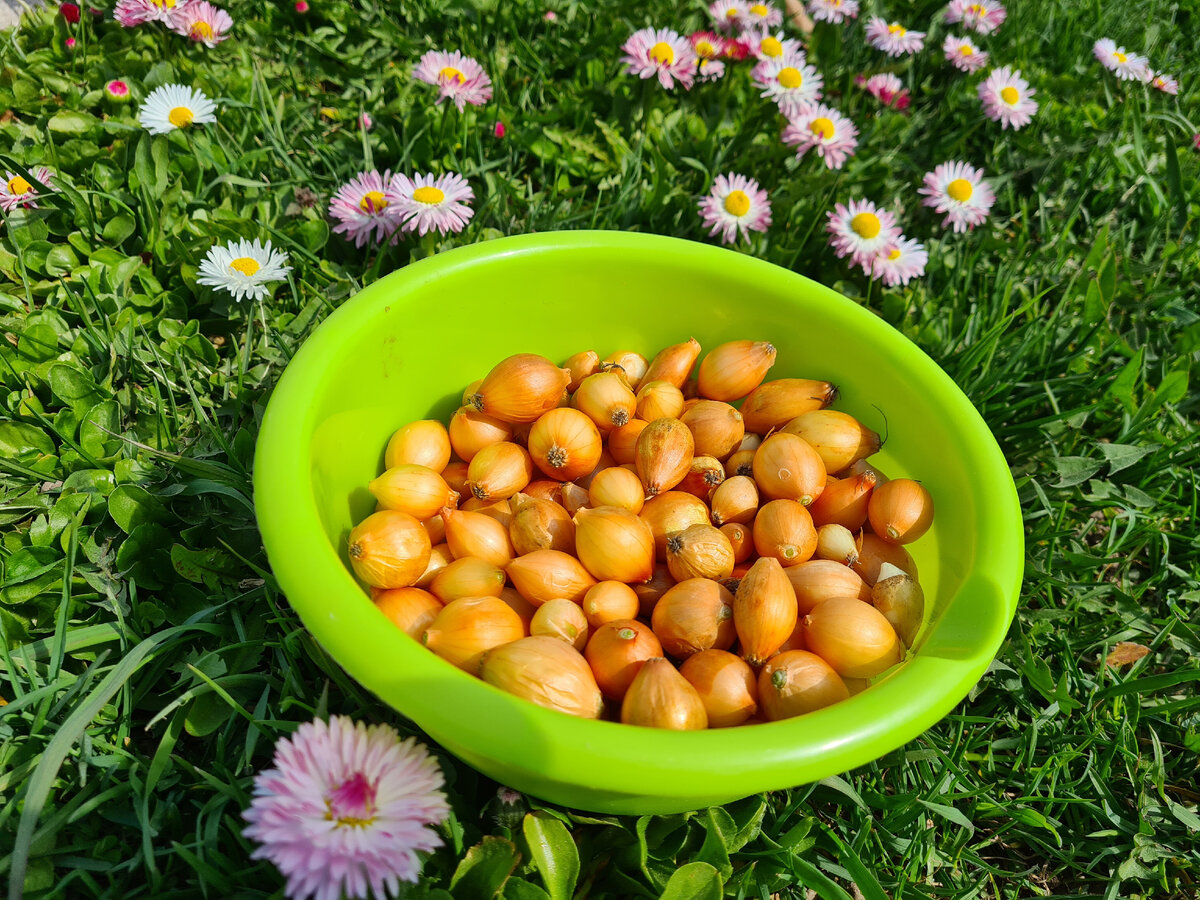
x=544, y=575
x=696, y=614
x=735, y=500
x=562, y=620
x=631, y=364
x=616, y=651
x=545, y=671
x=902, y=603
x=726, y=685
x=733, y=369
x=839, y=438
x=467, y=577
x=389, y=549
x=614, y=544
x=581, y=365
x=764, y=610
x=783, y=530
x=836, y=542
x=410, y=609
x=521, y=388
x=704, y=476
x=565, y=444
x=787, y=468
x=775, y=403
x=900, y=511
x=664, y=455
x=699, y=551
x=423, y=443
x=617, y=486
x=659, y=400
x=540, y=525
x=844, y=501
x=874, y=551
x=467, y=628
x=477, y=534
x=852, y=636
x=819, y=580
x=717, y=428
x=797, y=682
x=415, y=489
x=674, y=364
x=669, y=513
x=499, y=470
x=659, y=697
x=606, y=399
x=609, y=601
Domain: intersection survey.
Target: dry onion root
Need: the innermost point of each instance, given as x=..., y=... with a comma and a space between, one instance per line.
x=673, y=542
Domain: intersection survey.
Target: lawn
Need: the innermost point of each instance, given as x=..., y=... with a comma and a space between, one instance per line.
x=148, y=661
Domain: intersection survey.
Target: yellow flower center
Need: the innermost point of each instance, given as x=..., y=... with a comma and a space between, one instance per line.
x=705, y=49
x=245, y=265
x=1009, y=95
x=662, y=53
x=822, y=127
x=977, y=9
x=759, y=9
x=866, y=225
x=201, y=31
x=897, y=29
x=1121, y=57
x=771, y=47
x=895, y=253
x=737, y=203
x=164, y=4
x=731, y=13
x=790, y=77
x=430, y=195
x=19, y=186
x=180, y=116
x=452, y=74
x=960, y=189
x=965, y=50
x=373, y=201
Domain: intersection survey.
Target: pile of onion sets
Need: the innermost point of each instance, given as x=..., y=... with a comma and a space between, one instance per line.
x=674, y=542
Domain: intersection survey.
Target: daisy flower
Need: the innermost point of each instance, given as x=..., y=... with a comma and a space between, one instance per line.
x=458, y=77
x=984, y=16
x=860, y=230
x=963, y=54
x=1007, y=98
x=958, y=190
x=134, y=12
x=824, y=130
x=117, y=91
x=887, y=89
x=661, y=52
x=708, y=47
x=790, y=82
x=438, y=203
x=369, y=202
x=175, y=106
x=761, y=16
x=728, y=14
x=892, y=38
x=737, y=48
x=202, y=22
x=345, y=809
x=835, y=11
x=243, y=269
x=898, y=261
x=736, y=203
x=365, y=122
x=709, y=69
x=764, y=45
x=18, y=191
x=1126, y=66
x=1164, y=83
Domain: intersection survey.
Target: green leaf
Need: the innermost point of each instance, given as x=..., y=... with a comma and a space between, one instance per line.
x=1175, y=182
x=949, y=813
x=206, y=714
x=718, y=827
x=812, y=877
x=143, y=540
x=553, y=852
x=520, y=889
x=70, y=121
x=694, y=881
x=118, y=228
x=1106, y=278
x=1073, y=470
x=60, y=261
x=38, y=342
x=90, y=481
x=17, y=438
x=97, y=429
x=75, y=387
x=207, y=567
x=131, y=505
x=1127, y=379
x=483, y=870
x=1122, y=456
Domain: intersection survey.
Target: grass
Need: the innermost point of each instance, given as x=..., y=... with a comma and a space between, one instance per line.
x=148, y=660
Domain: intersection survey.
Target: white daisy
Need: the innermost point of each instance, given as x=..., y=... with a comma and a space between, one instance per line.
x=1126, y=66
x=958, y=189
x=788, y=80
x=898, y=262
x=764, y=45
x=243, y=269
x=860, y=229
x=736, y=203
x=434, y=203
x=175, y=106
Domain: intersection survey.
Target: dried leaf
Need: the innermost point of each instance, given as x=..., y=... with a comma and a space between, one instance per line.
x=1126, y=652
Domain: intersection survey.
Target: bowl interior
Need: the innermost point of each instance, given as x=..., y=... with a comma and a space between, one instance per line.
x=405, y=348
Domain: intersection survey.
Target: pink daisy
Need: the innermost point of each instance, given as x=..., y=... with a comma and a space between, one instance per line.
x=117, y=90
x=19, y=191
x=134, y=12
x=790, y=82
x=202, y=22
x=761, y=15
x=860, y=230
x=958, y=190
x=1007, y=98
x=1126, y=66
x=1164, y=83
x=835, y=11
x=727, y=14
x=369, y=202
x=764, y=45
x=892, y=38
x=735, y=204
x=708, y=48
x=661, y=52
x=825, y=131
x=887, y=89
x=963, y=54
x=898, y=262
x=709, y=69
x=984, y=16
x=428, y=203
x=458, y=77
x=345, y=809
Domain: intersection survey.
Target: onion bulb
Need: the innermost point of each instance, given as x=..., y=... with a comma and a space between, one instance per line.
x=716, y=427
x=415, y=489
x=699, y=551
x=467, y=628
x=562, y=619
x=696, y=614
x=733, y=369
x=796, y=682
x=614, y=544
x=608, y=601
x=545, y=575
x=546, y=671
x=764, y=610
x=669, y=513
x=664, y=455
x=775, y=403
x=499, y=470
x=540, y=525
x=659, y=697
x=839, y=438
x=606, y=399
x=616, y=650
x=521, y=388
x=389, y=549
x=409, y=608
x=424, y=443
x=783, y=530
x=674, y=364
x=853, y=637
x=786, y=467
x=900, y=511
x=565, y=444
x=726, y=685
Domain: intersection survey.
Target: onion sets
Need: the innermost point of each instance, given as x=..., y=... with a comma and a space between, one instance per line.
x=671, y=541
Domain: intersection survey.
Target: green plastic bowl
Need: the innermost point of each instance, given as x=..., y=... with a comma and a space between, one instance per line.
x=404, y=349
